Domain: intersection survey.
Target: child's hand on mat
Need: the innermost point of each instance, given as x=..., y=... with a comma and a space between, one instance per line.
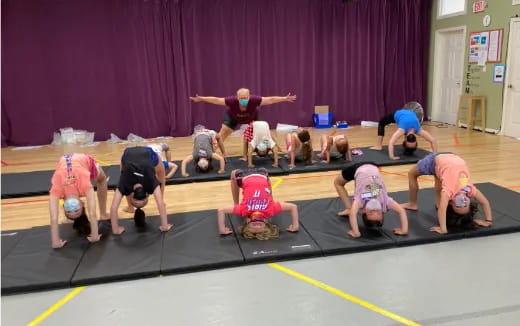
x=220, y=171
x=165, y=228
x=394, y=157
x=58, y=244
x=275, y=165
x=119, y=230
x=292, y=166
x=482, y=223
x=438, y=230
x=185, y=175
x=344, y=212
x=409, y=206
x=354, y=234
x=225, y=231
x=293, y=228
x=92, y=239
x=399, y=231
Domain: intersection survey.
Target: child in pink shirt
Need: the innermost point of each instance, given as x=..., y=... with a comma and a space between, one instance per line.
x=453, y=191
x=70, y=182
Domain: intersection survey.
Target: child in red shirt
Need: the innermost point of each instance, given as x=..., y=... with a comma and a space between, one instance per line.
x=257, y=205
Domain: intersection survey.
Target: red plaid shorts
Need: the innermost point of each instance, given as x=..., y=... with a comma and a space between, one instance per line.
x=248, y=132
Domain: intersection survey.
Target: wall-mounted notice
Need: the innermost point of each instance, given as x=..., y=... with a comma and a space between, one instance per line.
x=485, y=46
x=499, y=71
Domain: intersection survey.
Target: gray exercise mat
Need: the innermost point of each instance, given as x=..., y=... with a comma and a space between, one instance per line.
x=319, y=217
x=288, y=246
x=194, y=244
x=33, y=265
x=10, y=239
x=134, y=254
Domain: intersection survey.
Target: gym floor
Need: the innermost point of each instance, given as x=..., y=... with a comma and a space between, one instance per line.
x=464, y=282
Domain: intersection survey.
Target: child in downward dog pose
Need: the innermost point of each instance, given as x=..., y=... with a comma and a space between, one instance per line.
x=299, y=146
x=257, y=206
x=370, y=196
x=205, y=144
x=335, y=147
x=259, y=139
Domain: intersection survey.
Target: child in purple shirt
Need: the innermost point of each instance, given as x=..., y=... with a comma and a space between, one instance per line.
x=370, y=196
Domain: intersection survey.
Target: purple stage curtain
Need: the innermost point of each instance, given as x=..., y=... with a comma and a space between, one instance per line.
x=126, y=66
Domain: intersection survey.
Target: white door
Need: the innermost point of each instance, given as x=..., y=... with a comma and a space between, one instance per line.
x=511, y=113
x=448, y=70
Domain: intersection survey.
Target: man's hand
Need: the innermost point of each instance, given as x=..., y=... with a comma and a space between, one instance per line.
x=290, y=98
x=196, y=98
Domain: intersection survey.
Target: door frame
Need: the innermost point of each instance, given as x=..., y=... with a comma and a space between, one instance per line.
x=507, y=80
x=438, y=54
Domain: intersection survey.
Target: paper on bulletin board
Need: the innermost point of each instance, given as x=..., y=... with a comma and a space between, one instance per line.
x=499, y=70
x=474, y=47
x=495, y=46
x=483, y=49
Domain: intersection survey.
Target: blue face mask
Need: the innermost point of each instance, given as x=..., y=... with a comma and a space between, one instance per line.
x=243, y=102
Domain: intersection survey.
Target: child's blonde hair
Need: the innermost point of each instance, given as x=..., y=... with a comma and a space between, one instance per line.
x=271, y=232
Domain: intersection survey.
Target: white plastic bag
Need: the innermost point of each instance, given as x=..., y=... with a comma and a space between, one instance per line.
x=134, y=138
x=113, y=139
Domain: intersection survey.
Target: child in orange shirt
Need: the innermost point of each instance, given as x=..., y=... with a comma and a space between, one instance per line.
x=453, y=191
x=70, y=182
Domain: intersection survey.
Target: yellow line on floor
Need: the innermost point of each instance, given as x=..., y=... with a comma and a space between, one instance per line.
x=344, y=295
x=103, y=163
x=277, y=181
x=56, y=306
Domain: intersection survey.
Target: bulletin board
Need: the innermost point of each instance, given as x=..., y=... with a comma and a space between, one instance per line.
x=486, y=46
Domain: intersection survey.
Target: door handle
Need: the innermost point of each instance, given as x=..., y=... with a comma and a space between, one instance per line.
x=510, y=86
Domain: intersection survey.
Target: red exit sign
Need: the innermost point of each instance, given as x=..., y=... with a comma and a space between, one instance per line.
x=479, y=6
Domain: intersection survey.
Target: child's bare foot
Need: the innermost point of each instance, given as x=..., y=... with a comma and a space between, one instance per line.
x=410, y=206
x=377, y=148
x=243, y=158
x=129, y=209
x=345, y=212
